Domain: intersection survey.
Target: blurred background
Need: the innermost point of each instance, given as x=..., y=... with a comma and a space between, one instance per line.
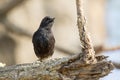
x=19, y=19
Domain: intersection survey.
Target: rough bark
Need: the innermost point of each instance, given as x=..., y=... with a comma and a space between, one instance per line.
x=87, y=48
x=57, y=69
x=84, y=66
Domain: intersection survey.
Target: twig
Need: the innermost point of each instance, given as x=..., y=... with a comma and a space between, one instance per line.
x=65, y=51
x=101, y=48
x=117, y=65
x=87, y=48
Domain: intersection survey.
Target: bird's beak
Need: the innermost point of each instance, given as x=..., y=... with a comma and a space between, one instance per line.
x=53, y=19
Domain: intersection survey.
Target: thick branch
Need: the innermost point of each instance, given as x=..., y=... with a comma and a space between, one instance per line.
x=83, y=67
x=58, y=69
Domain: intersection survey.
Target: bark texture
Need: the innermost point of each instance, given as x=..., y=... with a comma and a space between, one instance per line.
x=84, y=66
x=57, y=69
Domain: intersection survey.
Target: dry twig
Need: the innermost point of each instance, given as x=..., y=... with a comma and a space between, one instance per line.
x=87, y=48
x=101, y=48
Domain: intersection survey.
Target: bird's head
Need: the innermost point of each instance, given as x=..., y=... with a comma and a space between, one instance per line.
x=47, y=22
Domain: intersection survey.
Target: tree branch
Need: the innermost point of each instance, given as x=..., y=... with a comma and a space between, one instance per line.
x=10, y=27
x=65, y=51
x=101, y=48
x=9, y=6
x=84, y=66
x=58, y=69
x=87, y=48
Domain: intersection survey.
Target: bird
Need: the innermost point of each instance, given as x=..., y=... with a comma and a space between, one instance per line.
x=43, y=39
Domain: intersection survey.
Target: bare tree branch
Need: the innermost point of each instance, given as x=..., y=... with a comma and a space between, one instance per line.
x=87, y=48
x=58, y=69
x=65, y=51
x=9, y=6
x=10, y=27
x=101, y=48
x=84, y=66
x=15, y=29
x=117, y=65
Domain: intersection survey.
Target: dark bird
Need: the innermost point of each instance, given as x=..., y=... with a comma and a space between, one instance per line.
x=43, y=39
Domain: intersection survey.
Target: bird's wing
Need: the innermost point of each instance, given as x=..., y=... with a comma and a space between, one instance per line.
x=40, y=42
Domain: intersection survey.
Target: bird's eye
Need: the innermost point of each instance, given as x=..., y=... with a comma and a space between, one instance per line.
x=49, y=20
